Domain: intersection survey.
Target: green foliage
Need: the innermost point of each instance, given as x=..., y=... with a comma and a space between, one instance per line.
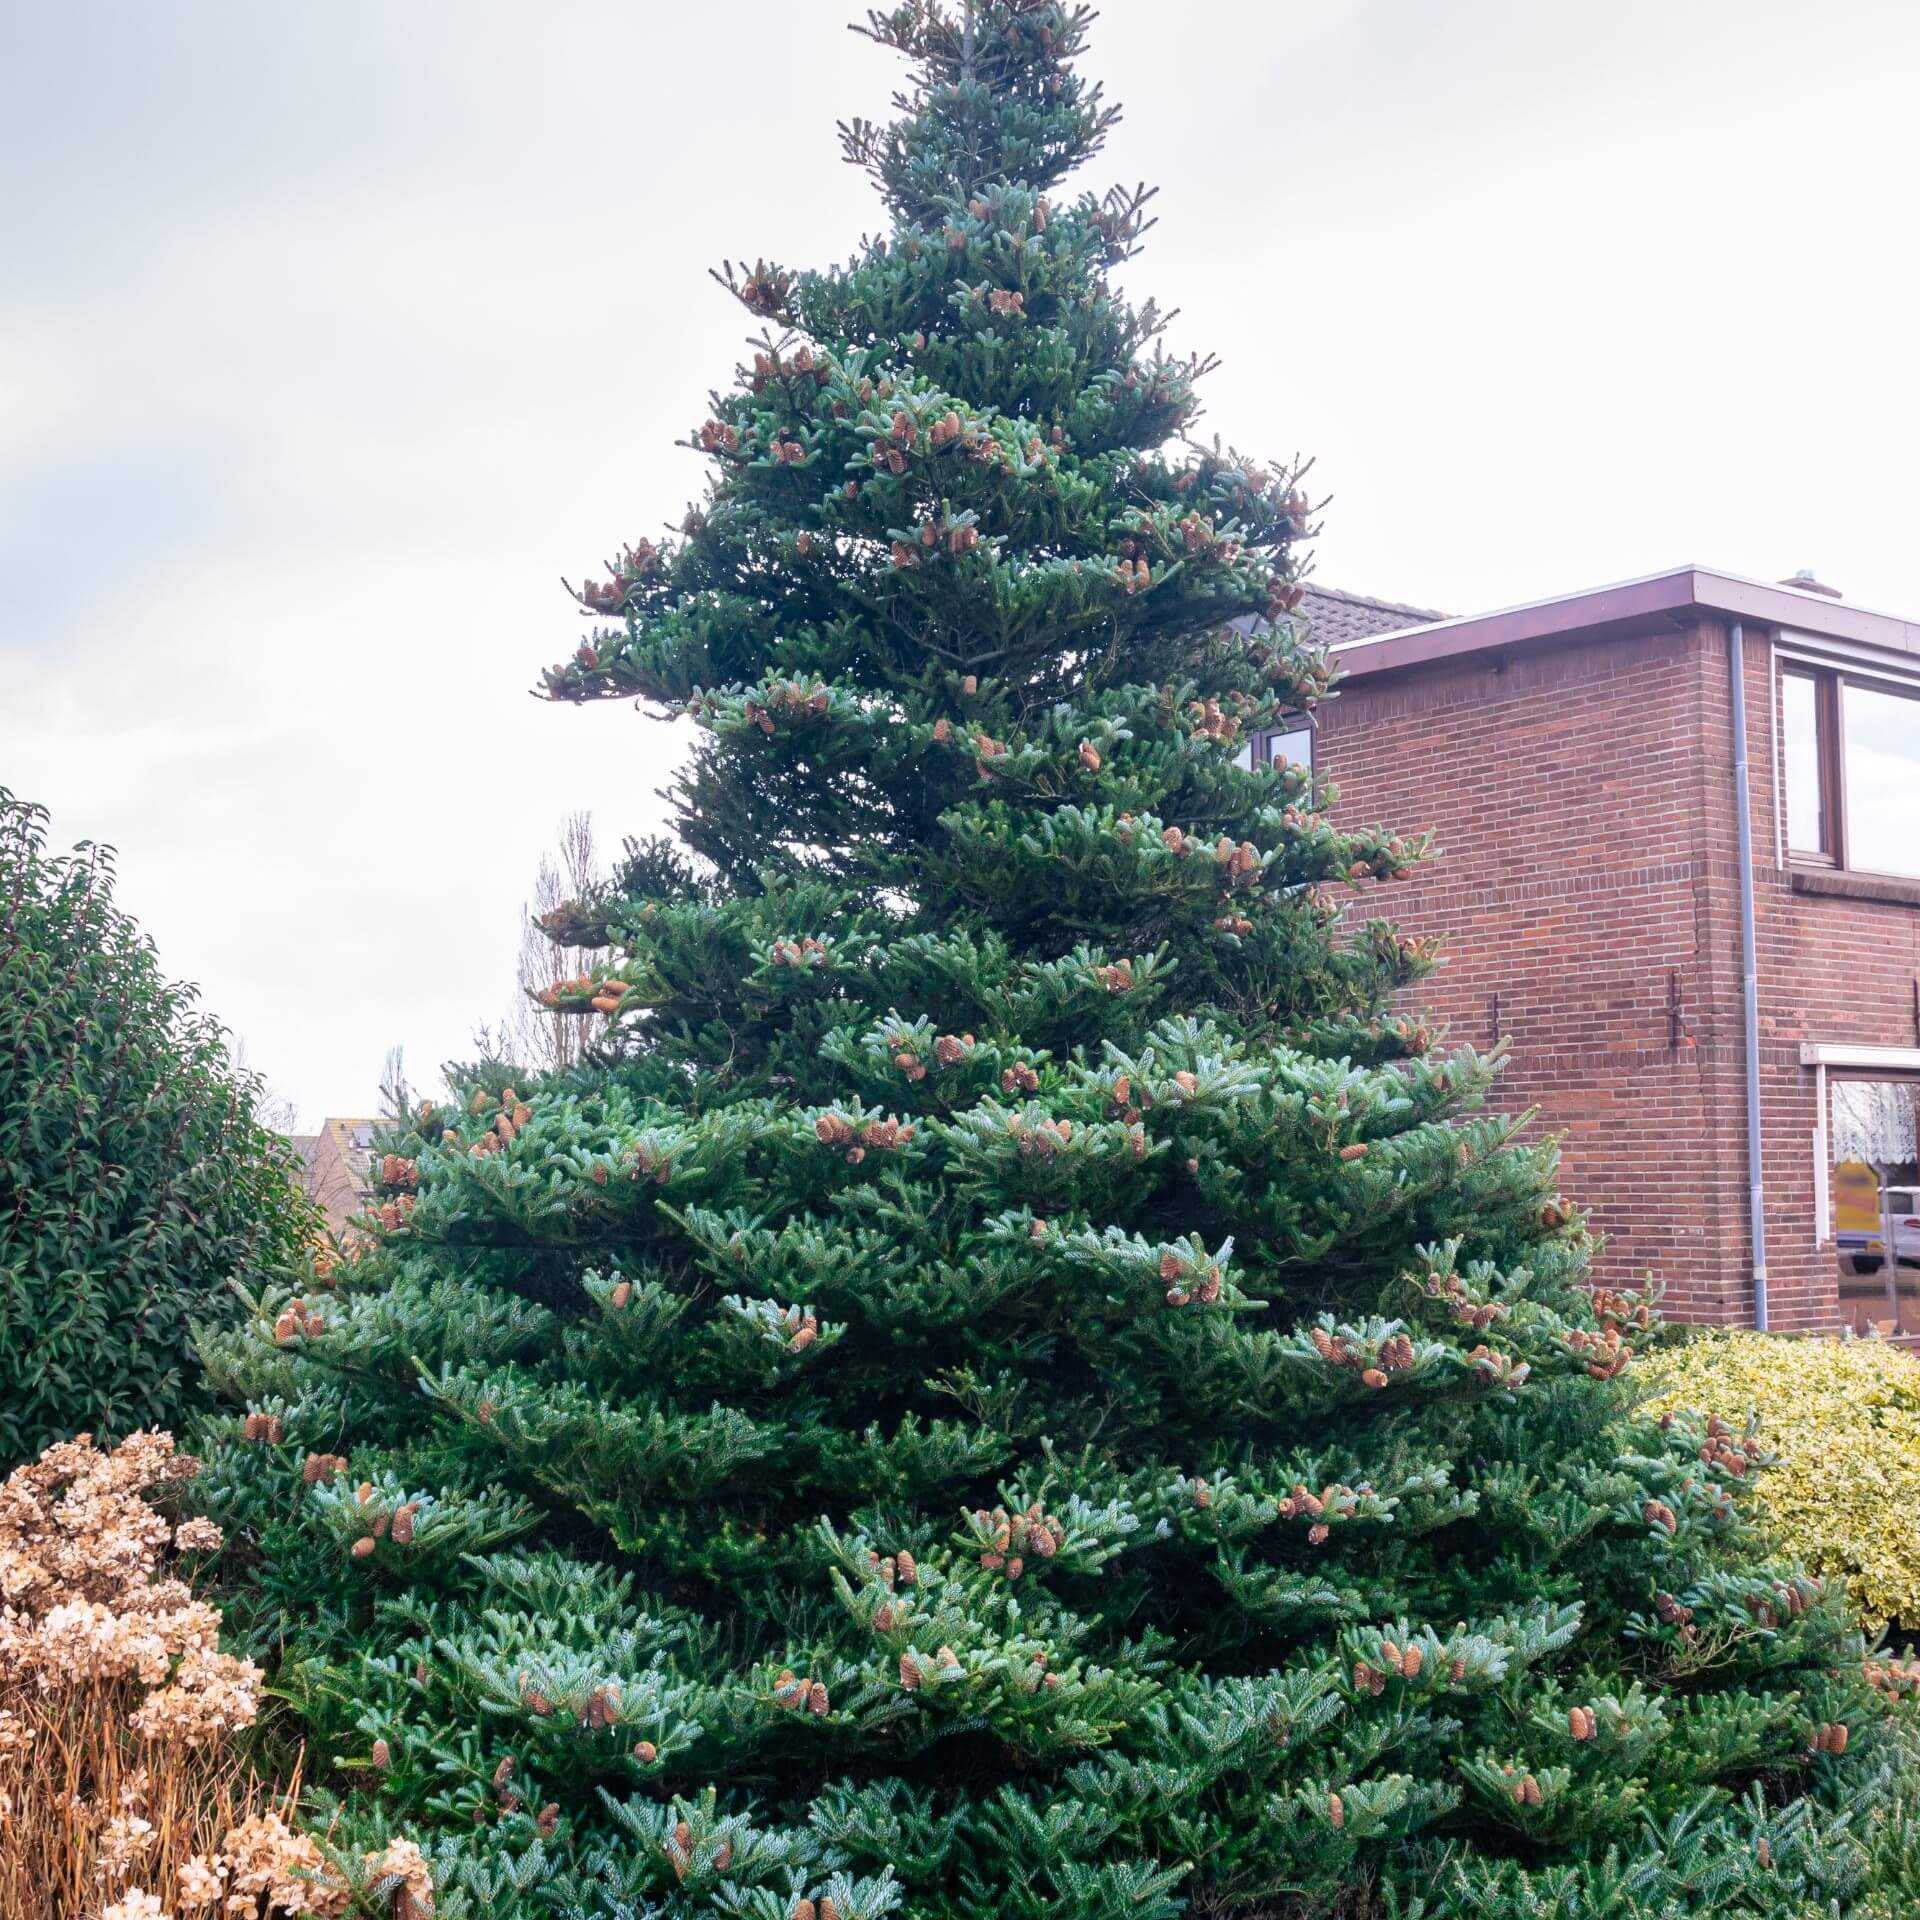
x=135, y=1183
x=1014, y=1382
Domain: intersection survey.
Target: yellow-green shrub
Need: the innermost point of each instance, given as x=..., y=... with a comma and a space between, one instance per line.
x=1844, y=1419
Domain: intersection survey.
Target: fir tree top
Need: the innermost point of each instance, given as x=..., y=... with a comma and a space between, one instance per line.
x=952, y=522
x=996, y=101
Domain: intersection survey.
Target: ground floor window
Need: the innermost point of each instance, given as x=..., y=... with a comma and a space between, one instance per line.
x=1874, y=1136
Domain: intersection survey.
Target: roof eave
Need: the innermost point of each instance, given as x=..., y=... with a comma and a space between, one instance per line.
x=1656, y=601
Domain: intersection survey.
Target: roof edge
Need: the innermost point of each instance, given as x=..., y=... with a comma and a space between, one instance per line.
x=1630, y=605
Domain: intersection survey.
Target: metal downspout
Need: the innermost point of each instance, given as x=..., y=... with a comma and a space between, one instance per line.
x=1749, y=960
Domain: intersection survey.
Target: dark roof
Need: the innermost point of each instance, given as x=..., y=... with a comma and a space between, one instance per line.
x=1336, y=617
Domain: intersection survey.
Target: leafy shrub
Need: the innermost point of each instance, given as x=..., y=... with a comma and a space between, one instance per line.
x=120, y=1781
x=1844, y=1419
x=134, y=1178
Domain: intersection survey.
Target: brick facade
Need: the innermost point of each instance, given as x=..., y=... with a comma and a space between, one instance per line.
x=1580, y=787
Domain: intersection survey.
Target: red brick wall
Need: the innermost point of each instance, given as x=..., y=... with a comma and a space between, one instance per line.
x=1831, y=969
x=1582, y=799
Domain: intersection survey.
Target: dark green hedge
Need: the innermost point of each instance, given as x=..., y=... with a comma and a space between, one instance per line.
x=135, y=1181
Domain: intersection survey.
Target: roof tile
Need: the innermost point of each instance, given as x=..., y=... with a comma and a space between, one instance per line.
x=1334, y=616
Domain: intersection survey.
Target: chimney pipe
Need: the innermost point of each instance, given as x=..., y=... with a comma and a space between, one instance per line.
x=1804, y=582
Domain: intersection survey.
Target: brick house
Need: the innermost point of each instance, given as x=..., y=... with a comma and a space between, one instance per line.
x=339, y=1163
x=1579, y=762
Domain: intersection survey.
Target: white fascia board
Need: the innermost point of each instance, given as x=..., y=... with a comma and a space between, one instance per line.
x=1820, y=1053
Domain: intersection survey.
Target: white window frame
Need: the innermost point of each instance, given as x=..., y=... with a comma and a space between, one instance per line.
x=1820, y=1055
x=1846, y=665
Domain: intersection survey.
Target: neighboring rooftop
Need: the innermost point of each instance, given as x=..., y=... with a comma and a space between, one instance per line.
x=1338, y=617
x=339, y=1166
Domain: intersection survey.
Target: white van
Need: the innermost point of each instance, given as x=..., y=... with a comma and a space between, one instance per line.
x=1900, y=1207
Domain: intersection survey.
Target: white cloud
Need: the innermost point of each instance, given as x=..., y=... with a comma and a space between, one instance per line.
x=330, y=337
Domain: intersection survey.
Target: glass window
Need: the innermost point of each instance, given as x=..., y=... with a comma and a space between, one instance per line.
x=1876, y=1224
x=1294, y=745
x=1850, y=771
x=1880, y=734
x=1805, y=780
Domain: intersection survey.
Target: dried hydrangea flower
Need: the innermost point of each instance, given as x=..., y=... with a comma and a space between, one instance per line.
x=197, y=1535
x=201, y=1883
x=135, y=1904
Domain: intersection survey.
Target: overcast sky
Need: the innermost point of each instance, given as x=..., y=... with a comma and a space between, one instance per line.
x=330, y=336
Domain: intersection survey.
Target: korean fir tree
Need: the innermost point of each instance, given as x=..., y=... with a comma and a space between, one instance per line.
x=1012, y=1382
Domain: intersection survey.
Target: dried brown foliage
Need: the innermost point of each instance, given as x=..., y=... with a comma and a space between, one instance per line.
x=121, y=1792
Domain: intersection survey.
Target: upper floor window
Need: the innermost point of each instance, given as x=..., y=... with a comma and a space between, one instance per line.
x=1850, y=771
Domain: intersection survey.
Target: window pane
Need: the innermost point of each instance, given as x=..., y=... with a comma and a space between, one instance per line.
x=1294, y=746
x=1882, y=736
x=1800, y=736
x=1876, y=1203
